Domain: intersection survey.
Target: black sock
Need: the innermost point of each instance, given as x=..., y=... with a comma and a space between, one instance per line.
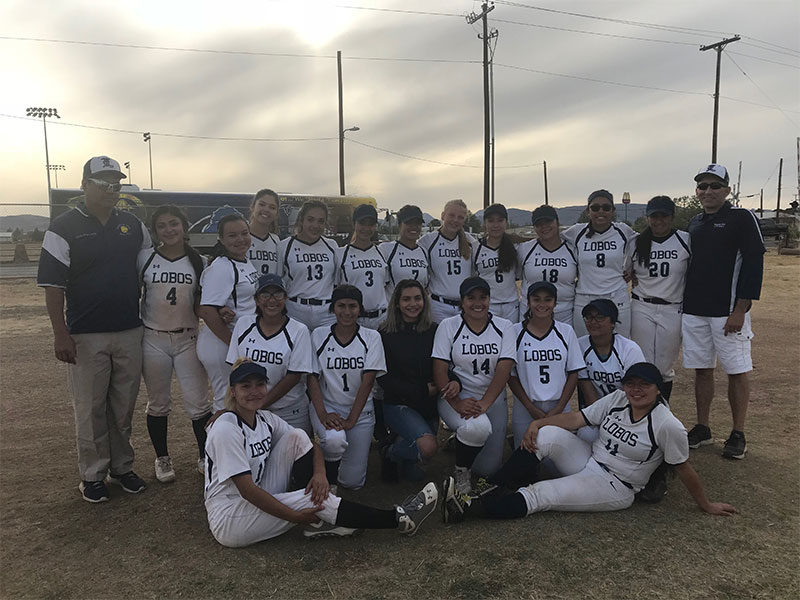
x=302, y=470
x=666, y=390
x=358, y=516
x=501, y=507
x=521, y=469
x=199, y=427
x=332, y=471
x=465, y=455
x=157, y=428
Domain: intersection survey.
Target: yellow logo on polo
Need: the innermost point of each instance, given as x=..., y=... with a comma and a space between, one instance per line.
x=124, y=229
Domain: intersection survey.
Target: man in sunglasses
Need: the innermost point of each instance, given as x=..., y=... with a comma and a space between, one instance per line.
x=89, y=259
x=723, y=279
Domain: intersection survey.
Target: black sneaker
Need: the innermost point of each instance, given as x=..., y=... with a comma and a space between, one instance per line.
x=735, y=446
x=93, y=491
x=656, y=487
x=130, y=482
x=700, y=435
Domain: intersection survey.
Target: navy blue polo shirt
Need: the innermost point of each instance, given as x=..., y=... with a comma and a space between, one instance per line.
x=727, y=261
x=96, y=266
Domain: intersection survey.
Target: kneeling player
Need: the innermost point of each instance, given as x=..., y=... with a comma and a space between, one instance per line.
x=637, y=431
x=263, y=476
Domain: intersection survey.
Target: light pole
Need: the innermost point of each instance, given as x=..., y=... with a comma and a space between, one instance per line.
x=44, y=113
x=146, y=137
x=128, y=166
x=626, y=199
x=56, y=169
x=341, y=157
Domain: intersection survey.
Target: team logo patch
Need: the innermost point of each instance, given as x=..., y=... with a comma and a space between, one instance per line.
x=124, y=229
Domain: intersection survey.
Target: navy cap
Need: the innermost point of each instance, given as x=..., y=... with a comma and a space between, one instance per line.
x=601, y=194
x=347, y=292
x=542, y=285
x=645, y=371
x=470, y=284
x=660, y=204
x=269, y=279
x=717, y=171
x=544, y=213
x=245, y=370
x=605, y=307
x=365, y=211
x=408, y=213
x=495, y=209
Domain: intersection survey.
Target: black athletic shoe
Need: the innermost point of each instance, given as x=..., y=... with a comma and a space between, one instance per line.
x=700, y=435
x=735, y=446
x=130, y=482
x=656, y=487
x=93, y=491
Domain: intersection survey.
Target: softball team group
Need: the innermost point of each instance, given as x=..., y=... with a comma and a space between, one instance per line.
x=313, y=349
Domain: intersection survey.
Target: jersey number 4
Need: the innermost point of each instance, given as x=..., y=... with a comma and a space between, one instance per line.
x=172, y=296
x=484, y=366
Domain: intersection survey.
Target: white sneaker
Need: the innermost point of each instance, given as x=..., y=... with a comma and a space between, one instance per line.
x=323, y=529
x=201, y=466
x=164, y=471
x=463, y=479
x=415, y=509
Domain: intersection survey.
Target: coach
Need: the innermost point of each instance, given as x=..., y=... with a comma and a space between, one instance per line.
x=89, y=258
x=723, y=279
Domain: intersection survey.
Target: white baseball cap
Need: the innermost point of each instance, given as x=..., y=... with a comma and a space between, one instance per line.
x=101, y=164
x=715, y=170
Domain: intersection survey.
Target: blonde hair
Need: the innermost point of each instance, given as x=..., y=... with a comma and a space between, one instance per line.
x=464, y=247
x=230, y=401
x=394, y=318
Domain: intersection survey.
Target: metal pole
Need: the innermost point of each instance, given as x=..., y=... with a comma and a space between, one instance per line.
x=719, y=46
x=778, y=207
x=761, y=203
x=341, y=124
x=486, y=100
x=47, y=156
x=739, y=184
x=546, y=195
x=491, y=104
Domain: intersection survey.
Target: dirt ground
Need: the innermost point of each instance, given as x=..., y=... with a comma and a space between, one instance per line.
x=157, y=544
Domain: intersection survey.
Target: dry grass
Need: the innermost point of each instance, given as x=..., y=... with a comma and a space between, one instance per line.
x=157, y=544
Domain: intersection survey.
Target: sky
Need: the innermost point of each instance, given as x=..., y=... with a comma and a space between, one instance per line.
x=615, y=95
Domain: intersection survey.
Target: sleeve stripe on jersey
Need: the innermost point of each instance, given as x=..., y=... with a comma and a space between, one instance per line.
x=147, y=264
x=528, y=255
x=561, y=337
x=570, y=251
x=682, y=243
x=361, y=339
x=344, y=261
x=245, y=332
x=519, y=337
x=235, y=283
x=389, y=261
x=653, y=444
x=458, y=331
x=57, y=247
x=324, y=343
x=286, y=257
x=495, y=327
x=430, y=248
x=288, y=338
x=333, y=252
x=622, y=235
x=578, y=237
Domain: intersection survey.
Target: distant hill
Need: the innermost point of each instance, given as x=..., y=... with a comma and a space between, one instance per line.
x=568, y=215
x=26, y=223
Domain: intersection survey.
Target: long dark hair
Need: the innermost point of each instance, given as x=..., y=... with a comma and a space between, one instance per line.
x=644, y=241
x=274, y=196
x=172, y=210
x=307, y=206
x=590, y=230
x=218, y=249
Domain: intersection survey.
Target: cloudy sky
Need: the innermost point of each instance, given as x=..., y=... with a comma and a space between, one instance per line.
x=412, y=84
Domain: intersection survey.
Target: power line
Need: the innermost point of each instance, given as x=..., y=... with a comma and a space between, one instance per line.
x=758, y=87
x=792, y=53
x=771, y=44
x=400, y=11
x=774, y=62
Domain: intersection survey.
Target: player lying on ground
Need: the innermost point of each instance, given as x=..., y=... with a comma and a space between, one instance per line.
x=263, y=476
x=637, y=431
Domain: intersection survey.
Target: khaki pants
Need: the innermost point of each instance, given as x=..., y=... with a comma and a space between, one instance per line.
x=105, y=382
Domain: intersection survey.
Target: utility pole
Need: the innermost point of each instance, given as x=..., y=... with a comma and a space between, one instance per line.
x=491, y=103
x=341, y=124
x=37, y=111
x=761, y=203
x=778, y=207
x=146, y=137
x=738, y=184
x=546, y=195
x=486, y=36
x=798, y=168
x=718, y=47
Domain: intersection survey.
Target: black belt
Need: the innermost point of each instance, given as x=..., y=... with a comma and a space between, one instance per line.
x=311, y=301
x=625, y=483
x=652, y=300
x=181, y=330
x=445, y=300
x=371, y=314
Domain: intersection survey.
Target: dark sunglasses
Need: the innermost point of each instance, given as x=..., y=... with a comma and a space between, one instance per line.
x=714, y=186
x=599, y=207
x=105, y=186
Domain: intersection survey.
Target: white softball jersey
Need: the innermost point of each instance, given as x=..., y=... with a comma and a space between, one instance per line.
x=665, y=277
x=169, y=289
x=234, y=448
x=473, y=355
x=486, y=264
x=446, y=267
x=601, y=258
x=367, y=270
x=606, y=373
x=630, y=449
x=543, y=364
x=559, y=267
x=286, y=351
x=404, y=263
x=263, y=253
x=309, y=270
x=340, y=366
x=231, y=283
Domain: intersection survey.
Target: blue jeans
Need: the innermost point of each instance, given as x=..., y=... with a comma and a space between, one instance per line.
x=409, y=425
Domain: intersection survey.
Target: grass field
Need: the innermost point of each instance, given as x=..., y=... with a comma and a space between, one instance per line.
x=157, y=544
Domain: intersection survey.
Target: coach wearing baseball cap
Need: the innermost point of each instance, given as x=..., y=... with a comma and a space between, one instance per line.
x=89, y=259
x=723, y=279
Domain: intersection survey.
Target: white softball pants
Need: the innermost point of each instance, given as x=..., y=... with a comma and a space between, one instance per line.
x=235, y=522
x=163, y=352
x=441, y=310
x=212, y=352
x=620, y=298
x=585, y=486
x=310, y=315
x=657, y=330
x=507, y=310
x=351, y=446
x=521, y=418
x=562, y=312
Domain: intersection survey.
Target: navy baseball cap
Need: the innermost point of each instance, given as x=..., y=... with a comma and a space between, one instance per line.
x=544, y=213
x=601, y=194
x=542, y=285
x=495, y=209
x=717, y=171
x=408, y=213
x=605, y=307
x=365, y=211
x=102, y=164
x=660, y=205
x=470, y=284
x=245, y=370
x=645, y=371
x=269, y=280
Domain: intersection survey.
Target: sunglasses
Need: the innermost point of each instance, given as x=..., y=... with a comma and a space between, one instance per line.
x=599, y=207
x=106, y=186
x=714, y=186
x=277, y=295
x=597, y=318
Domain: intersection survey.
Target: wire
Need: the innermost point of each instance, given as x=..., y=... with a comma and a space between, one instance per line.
x=436, y=162
x=400, y=11
x=793, y=53
x=774, y=62
x=770, y=44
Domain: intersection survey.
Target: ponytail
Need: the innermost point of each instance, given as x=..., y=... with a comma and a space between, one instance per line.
x=507, y=254
x=644, y=242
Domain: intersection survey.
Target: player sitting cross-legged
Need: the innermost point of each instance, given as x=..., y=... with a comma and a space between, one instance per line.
x=637, y=432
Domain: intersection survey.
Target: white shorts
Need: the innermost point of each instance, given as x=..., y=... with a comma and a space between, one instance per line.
x=704, y=339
